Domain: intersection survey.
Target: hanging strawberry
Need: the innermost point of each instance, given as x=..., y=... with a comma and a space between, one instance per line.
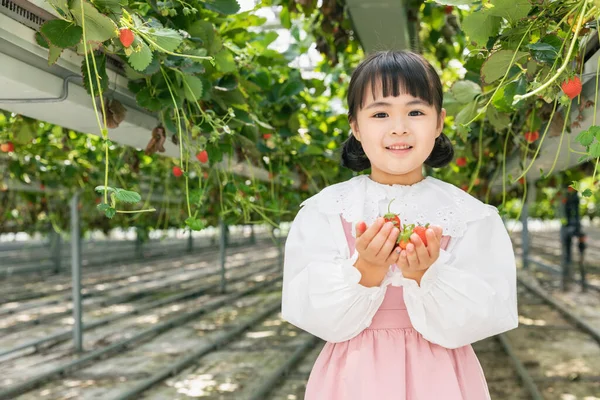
x=126, y=37
x=532, y=136
x=572, y=87
x=267, y=136
x=202, y=156
x=391, y=217
x=177, y=171
x=461, y=161
x=7, y=147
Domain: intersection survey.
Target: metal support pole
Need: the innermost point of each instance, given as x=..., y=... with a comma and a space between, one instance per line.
x=252, y=235
x=531, y=195
x=223, y=247
x=525, y=235
x=76, y=273
x=190, y=244
x=276, y=232
x=138, y=244
x=55, y=249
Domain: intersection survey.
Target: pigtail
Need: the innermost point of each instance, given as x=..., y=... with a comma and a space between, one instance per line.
x=354, y=156
x=442, y=153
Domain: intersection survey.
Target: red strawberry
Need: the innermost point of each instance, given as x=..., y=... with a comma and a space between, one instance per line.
x=522, y=180
x=202, y=156
x=177, y=172
x=448, y=9
x=572, y=87
x=461, y=161
x=404, y=238
x=126, y=37
x=391, y=217
x=420, y=230
x=205, y=174
x=532, y=136
x=267, y=136
x=465, y=187
x=7, y=147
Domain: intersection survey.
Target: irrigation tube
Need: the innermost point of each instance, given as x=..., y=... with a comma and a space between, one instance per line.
x=521, y=370
x=271, y=381
x=65, y=334
x=193, y=358
x=583, y=325
x=65, y=369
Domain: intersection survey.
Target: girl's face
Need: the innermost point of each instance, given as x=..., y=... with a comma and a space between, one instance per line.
x=394, y=121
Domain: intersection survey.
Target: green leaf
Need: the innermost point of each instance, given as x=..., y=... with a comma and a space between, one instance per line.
x=192, y=88
x=146, y=99
x=103, y=207
x=595, y=149
x=98, y=27
x=195, y=224
x=62, y=5
x=227, y=7
x=292, y=88
x=141, y=57
x=61, y=33
x=465, y=116
x=41, y=40
x=585, y=138
x=167, y=39
x=498, y=63
x=111, y=6
x=127, y=196
x=54, y=53
x=284, y=16
x=101, y=68
x=512, y=10
x=498, y=120
x=587, y=193
x=480, y=26
x=454, y=2
x=101, y=189
x=543, y=52
x=465, y=91
x=110, y=212
x=225, y=62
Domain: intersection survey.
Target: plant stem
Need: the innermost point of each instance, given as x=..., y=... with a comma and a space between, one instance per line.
x=560, y=70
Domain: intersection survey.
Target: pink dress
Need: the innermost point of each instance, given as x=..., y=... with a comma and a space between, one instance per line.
x=390, y=360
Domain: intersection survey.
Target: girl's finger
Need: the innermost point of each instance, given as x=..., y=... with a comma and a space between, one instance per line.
x=402, y=261
x=361, y=227
x=420, y=249
x=394, y=256
x=363, y=240
x=379, y=240
x=389, y=244
x=411, y=256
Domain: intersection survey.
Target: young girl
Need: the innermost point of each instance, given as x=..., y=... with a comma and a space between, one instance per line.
x=398, y=323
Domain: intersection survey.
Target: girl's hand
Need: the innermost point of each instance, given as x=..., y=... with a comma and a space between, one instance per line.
x=417, y=258
x=375, y=245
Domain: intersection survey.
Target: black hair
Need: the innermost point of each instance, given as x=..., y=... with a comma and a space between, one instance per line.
x=396, y=70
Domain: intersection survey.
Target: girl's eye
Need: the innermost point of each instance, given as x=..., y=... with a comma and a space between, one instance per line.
x=380, y=115
x=411, y=113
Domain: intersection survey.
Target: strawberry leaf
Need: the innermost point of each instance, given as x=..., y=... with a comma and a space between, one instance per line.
x=127, y=196
x=227, y=7
x=62, y=33
x=98, y=27
x=141, y=57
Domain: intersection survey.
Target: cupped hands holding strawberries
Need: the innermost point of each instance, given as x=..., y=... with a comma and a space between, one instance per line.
x=418, y=249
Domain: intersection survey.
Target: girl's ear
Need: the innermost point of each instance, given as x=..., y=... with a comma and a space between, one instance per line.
x=355, y=132
x=441, y=119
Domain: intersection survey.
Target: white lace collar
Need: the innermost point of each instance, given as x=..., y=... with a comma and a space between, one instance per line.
x=429, y=200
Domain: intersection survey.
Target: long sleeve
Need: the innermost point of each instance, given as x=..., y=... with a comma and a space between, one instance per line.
x=468, y=294
x=321, y=293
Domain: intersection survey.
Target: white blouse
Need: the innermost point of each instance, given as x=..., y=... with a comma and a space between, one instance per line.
x=468, y=294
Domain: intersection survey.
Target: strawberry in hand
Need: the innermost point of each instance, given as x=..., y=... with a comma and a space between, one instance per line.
x=406, y=233
x=393, y=218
